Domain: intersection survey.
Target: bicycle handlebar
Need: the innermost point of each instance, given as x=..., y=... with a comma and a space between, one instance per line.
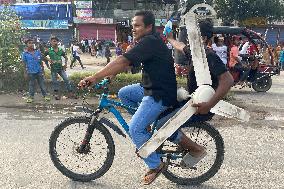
x=103, y=83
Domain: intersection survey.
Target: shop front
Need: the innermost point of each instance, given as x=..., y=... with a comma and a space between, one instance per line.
x=95, y=28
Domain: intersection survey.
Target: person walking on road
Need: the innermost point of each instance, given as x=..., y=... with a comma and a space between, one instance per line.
x=107, y=53
x=76, y=55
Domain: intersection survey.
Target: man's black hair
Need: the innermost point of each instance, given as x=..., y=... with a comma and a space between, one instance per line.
x=148, y=18
x=28, y=40
x=206, y=28
x=54, y=38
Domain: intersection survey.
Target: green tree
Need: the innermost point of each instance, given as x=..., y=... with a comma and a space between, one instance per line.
x=191, y=3
x=10, y=42
x=241, y=10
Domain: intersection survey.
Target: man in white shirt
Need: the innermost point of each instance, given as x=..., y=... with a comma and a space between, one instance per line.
x=244, y=47
x=221, y=49
x=75, y=52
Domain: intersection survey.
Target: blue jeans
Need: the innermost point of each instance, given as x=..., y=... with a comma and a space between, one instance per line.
x=148, y=111
x=55, y=83
x=40, y=80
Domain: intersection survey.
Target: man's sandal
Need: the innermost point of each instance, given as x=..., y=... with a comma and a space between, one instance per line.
x=152, y=174
x=189, y=161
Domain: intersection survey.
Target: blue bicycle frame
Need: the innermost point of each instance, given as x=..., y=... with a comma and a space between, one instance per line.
x=110, y=105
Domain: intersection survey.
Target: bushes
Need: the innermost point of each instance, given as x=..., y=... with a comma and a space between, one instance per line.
x=11, y=33
x=19, y=83
x=120, y=80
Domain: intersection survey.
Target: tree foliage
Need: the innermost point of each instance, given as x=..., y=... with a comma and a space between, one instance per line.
x=241, y=10
x=10, y=41
x=191, y=3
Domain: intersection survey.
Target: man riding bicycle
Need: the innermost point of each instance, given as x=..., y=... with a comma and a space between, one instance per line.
x=156, y=93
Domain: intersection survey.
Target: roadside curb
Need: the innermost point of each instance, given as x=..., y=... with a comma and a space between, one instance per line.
x=18, y=101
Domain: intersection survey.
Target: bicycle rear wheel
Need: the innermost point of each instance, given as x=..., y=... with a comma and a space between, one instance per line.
x=89, y=164
x=203, y=134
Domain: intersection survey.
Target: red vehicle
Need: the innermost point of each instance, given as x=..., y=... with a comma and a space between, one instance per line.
x=260, y=70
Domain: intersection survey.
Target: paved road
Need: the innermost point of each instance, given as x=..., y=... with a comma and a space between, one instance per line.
x=254, y=156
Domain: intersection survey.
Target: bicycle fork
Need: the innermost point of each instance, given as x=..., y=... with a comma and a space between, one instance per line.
x=85, y=144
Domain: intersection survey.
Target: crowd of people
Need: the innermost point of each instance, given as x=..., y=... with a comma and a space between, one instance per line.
x=231, y=53
x=236, y=50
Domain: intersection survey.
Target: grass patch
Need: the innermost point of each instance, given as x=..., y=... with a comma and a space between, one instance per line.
x=18, y=83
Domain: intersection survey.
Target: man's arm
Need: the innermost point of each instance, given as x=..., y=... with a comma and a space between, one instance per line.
x=237, y=59
x=44, y=57
x=65, y=58
x=113, y=68
x=176, y=44
x=24, y=61
x=225, y=82
x=235, y=54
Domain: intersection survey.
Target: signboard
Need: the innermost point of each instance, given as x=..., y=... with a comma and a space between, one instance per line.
x=84, y=13
x=78, y=20
x=44, y=24
x=256, y=21
x=278, y=23
x=83, y=4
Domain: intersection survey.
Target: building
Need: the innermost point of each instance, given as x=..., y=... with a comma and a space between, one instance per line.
x=40, y=1
x=3, y=2
x=111, y=19
x=92, y=19
x=46, y=19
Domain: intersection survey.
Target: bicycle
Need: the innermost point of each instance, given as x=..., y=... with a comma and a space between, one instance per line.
x=94, y=138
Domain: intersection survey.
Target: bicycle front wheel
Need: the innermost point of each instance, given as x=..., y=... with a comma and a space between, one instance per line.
x=89, y=164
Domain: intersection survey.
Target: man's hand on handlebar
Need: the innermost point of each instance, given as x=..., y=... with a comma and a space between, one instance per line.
x=86, y=82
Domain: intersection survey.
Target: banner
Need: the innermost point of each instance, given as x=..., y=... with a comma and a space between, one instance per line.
x=44, y=24
x=78, y=20
x=83, y=4
x=84, y=13
x=256, y=21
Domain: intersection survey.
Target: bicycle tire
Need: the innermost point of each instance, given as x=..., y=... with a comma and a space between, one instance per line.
x=217, y=163
x=63, y=169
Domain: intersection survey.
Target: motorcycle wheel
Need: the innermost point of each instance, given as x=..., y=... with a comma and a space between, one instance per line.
x=262, y=84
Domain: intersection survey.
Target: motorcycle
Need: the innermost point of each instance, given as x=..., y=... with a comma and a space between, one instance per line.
x=258, y=74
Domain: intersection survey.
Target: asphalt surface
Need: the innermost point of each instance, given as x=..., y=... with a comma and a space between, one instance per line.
x=254, y=153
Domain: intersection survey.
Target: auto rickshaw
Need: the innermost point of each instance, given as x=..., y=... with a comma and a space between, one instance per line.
x=260, y=69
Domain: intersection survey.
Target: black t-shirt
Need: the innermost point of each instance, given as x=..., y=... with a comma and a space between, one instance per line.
x=216, y=68
x=158, y=75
